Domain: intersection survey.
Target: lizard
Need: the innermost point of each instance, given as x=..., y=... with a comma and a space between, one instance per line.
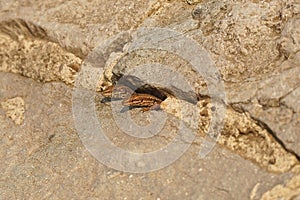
x=131, y=99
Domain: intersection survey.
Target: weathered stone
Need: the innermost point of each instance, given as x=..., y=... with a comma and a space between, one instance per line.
x=255, y=46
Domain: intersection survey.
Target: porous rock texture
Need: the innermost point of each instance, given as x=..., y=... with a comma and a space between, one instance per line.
x=45, y=47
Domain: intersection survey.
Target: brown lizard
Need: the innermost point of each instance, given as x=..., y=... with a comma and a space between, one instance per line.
x=117, y=92
x=131, y=99
x=147, y=101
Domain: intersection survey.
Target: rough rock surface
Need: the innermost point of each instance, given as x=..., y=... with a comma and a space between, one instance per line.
x=44, y=46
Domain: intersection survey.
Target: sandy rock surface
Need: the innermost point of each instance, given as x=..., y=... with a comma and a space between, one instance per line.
x=57, y=56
